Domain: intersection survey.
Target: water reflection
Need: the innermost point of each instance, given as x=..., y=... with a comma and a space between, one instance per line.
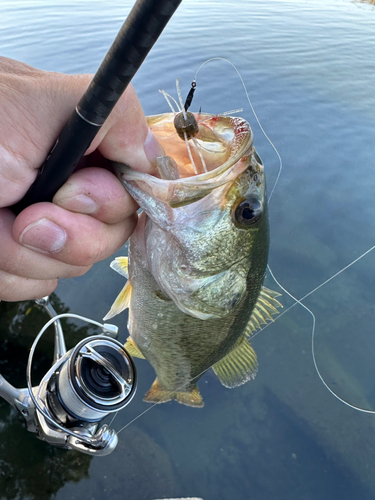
x=30, y=468
x=309, y=67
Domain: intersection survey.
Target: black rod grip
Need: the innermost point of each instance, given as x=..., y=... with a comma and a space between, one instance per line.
x=134, y=41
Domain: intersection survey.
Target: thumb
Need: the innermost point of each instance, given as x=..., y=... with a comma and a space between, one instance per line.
x=125, y=136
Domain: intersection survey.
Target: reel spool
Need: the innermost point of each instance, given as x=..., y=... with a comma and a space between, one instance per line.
x=98, y=378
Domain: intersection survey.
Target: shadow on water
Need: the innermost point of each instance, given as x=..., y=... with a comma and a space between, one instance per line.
x=32, y=469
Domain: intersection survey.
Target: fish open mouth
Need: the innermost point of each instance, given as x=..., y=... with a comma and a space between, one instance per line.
x=220, y=151
x=217, y=141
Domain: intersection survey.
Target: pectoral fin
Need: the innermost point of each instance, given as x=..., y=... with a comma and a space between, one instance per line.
x=133, y=349
x=121, y=303
x=120, y=265
x=157, y=395
x=239, y=366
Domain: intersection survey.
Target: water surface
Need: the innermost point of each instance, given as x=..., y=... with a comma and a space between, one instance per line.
x=309, y=70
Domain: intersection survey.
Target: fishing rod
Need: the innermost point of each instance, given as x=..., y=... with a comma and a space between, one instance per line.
x=134, y=41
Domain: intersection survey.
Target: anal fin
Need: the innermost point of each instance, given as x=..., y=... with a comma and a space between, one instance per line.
x=157, y=395
x=132, y=348
x=237, y=367
x=121, y=303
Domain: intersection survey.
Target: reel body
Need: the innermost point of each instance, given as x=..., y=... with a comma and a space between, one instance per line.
x=84, y=385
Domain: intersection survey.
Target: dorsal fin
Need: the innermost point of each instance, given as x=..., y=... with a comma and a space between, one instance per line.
x=122, y=301
x=239, y=366
x=120, y=265
x=265, y=307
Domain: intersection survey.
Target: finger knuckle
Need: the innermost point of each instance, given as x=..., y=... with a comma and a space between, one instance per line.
x=13, y=288
x=90, y=254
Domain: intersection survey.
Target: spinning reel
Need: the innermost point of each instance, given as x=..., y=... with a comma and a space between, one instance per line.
x=84, y=385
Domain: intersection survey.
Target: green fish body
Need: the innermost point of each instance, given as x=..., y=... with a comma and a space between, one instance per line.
x=197, y=261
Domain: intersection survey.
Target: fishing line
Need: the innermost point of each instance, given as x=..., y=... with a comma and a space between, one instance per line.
x=358, y=408
x=296, y=301
x=269, y=269
x=254, y=113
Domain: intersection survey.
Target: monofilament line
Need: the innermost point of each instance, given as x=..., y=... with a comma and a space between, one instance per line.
x=284, y=289
x=363, y=410
x=297, y=301
x=254, y=113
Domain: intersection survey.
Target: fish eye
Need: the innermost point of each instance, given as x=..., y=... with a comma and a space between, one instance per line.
x=247, y=213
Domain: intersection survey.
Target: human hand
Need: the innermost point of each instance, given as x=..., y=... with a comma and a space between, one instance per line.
x=91, y=215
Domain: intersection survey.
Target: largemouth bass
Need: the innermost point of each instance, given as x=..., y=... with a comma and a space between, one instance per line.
x=197, y=258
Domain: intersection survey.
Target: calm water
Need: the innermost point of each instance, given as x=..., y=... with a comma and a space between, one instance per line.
x=309, y=68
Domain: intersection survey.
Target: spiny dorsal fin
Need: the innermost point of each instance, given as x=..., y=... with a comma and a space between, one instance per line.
x=158, y=395
x=121, y=303
x=264, y=308
x=120, y=265
x=239, y=366
x=133, y=349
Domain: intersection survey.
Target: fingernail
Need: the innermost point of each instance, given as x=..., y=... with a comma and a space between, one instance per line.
x=152, y=148
x=80, y=203
x=43, y=236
